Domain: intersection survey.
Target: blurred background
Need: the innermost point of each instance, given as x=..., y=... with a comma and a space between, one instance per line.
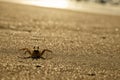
x=94, y=6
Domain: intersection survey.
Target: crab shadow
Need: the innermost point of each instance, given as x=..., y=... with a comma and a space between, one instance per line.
x=33, y=58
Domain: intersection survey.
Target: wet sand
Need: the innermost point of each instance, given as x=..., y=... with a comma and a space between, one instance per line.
x=85, y=46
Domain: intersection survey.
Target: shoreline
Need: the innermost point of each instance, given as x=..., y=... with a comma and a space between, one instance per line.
x=86, y=9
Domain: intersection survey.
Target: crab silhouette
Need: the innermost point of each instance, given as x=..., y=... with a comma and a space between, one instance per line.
x=36, y=53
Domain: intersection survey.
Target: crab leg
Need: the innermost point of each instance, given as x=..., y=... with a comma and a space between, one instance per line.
x=44, y=51
x=24, y=57
x=26, y=50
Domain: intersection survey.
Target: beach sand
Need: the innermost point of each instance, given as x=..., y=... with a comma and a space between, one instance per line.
x=85, y=46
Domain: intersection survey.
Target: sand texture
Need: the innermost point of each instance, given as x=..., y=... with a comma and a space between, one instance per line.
x=85, y=46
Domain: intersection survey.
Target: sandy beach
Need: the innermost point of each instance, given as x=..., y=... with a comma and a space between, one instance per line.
x=85, y=46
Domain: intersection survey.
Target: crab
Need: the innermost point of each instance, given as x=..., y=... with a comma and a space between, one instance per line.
x=35, y=54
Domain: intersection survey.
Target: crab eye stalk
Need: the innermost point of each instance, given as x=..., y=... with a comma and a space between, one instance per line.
x=34, y=47
x=38, y=47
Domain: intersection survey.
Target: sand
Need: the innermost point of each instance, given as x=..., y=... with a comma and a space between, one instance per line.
x=85, y=46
